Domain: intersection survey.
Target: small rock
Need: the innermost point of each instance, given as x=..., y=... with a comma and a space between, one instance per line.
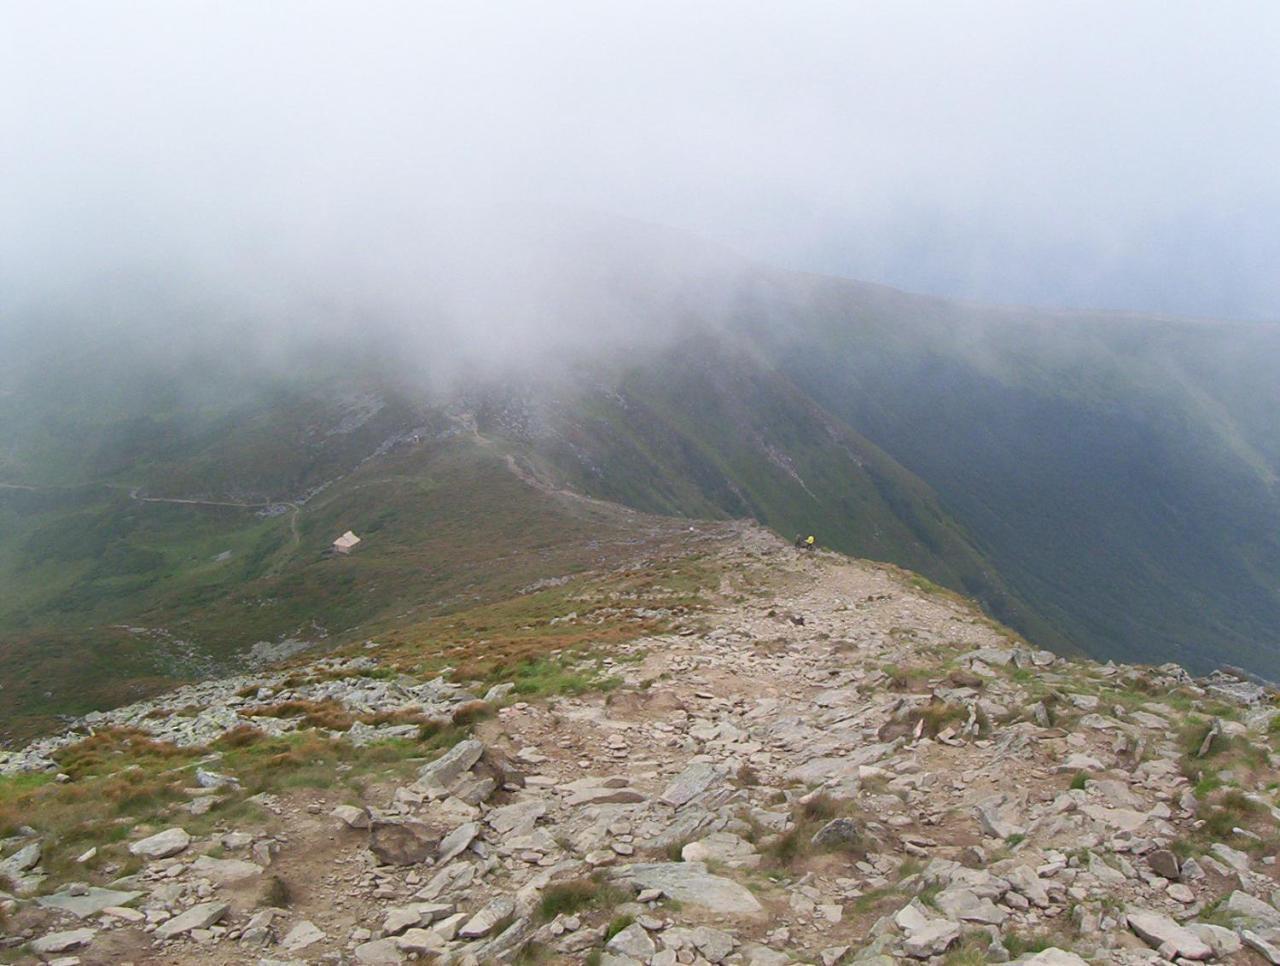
x=351, y=816
x=487, y=919
x=378, y=952
x=632, y=941
x=838, y=833
x=60, y=942
x=301, y=936
x=1160, y=932
x=162, y=845
x=197, y=917
x=453, y=844
x=1164, y=864
x=933, y=939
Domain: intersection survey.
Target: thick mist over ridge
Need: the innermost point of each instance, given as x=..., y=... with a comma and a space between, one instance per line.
x=435, y=294
x=235, y=155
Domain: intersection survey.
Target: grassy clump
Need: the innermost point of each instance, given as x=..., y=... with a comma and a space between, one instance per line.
x=937, y=715
x=276, y=894
x=1023, y=944
x=576, y=895
x=547, y=676
x=470, y=712
x=906, y=678
x=808, y=818
x=120, y=778
x=330, y=715
x=971, y=950
x=616, y=925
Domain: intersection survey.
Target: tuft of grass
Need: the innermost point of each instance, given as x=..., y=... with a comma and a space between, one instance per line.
x=567, y=898
x=616, y=925
x=1079, y=780
x=905, y=678
x=808, y=817
x=533, y=953
x=470, y=712
x=547, y=676
x=1023, y=944
x=241, y=736
x=937, y=715
x=821, y=807
x=1227, y=812
x=970, y=951
x=330, y=715
x=275, y=894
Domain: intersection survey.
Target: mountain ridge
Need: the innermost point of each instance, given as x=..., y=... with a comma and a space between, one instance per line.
x=723, y=748
x=1102, y=491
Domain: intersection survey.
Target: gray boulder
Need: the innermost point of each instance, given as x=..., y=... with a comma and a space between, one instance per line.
x=162, y=845
x=691, y=883
x=436, y=777
x=197, y=917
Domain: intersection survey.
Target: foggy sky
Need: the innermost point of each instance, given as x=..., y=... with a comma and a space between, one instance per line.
x=1086, y=154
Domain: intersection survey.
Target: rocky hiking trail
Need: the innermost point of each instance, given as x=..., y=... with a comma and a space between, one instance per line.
x=828, y=761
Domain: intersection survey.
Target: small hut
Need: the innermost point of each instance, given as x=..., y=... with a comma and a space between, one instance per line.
x=345, y=543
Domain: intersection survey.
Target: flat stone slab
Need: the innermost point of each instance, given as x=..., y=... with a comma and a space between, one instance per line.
x=89, y=904
x=487, y=919
x=963, y=904
x=225, y=871
x=1241, y=905
x=449, y=767
x=61, y=942
x=23, y=860
x=197, y=917
x=378, y=952
x=932, y=939
x=691, y=883
x=691, y=783
x=516, y=819
x=1053, y=956
x=453, y=844
x=724, y=847
x=162, y=845
x=1160, y=932
x=819, y=770
x=594, y=791
x=301, y=936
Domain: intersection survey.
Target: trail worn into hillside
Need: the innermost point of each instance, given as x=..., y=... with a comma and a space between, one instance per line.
x=832, y=762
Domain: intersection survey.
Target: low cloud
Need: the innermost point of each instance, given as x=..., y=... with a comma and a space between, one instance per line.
x=324, y=167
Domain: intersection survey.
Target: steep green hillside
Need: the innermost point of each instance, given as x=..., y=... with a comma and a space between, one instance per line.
x=703, y=429
x=1120, y=472
x=107, y=597
x=1101, y=483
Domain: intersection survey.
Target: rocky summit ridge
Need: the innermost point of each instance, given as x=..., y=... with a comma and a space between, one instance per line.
x=825, y=761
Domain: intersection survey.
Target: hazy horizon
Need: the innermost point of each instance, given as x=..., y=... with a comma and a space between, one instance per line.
x=1060, y=155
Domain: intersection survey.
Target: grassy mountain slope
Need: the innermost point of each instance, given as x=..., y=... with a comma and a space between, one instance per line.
x=1120, y=472
x=704, y=429
x=108, y=597
x=1100, y=483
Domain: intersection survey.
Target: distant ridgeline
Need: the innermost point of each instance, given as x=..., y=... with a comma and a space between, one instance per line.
x=1104, y=484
